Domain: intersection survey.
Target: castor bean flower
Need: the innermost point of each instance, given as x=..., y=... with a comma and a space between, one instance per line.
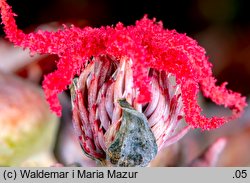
x=131, y=86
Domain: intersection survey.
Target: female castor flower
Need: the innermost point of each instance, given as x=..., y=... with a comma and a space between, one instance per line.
x=131, y=86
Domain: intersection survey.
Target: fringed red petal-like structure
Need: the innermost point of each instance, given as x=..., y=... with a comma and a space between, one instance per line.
x=147, y=44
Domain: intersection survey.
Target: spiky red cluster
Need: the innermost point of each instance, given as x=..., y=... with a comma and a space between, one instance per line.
x=147, y=43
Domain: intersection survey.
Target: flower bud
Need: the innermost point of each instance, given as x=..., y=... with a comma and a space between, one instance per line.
x=112, y=126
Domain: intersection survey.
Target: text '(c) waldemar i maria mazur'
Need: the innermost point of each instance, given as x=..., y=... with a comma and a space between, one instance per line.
x=79, y=174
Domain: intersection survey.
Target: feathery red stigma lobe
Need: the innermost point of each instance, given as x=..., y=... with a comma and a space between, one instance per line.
x=147, y=44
